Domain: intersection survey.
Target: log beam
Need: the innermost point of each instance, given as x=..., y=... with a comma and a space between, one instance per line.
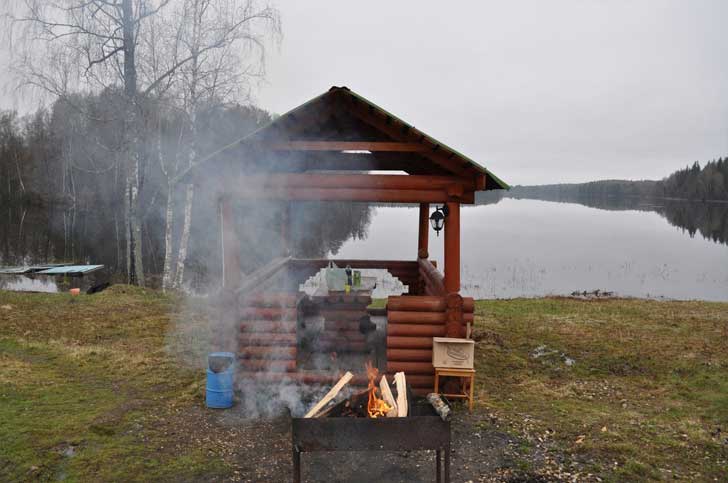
x=433, y=318
x=414, y=303
x=424, y=231
x=409, y=355
x=424, y=303
x=416, y=330
x=407, y=342
x=352, y=194
x=382, y=181
x=410, y=367
x=347, y=146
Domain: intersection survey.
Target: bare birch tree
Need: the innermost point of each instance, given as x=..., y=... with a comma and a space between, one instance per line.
x=66, y=46
x=225, y=41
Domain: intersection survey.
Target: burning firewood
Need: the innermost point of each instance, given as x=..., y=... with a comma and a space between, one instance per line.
x=353, y=406
x=388, y=397
x=330, y=395
x=401, y=384
x=376, y=406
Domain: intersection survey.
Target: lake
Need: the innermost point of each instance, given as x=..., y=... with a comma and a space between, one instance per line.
x=529, y=248
x=510, y=247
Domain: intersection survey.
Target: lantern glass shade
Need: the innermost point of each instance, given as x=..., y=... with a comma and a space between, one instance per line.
x=437, y=220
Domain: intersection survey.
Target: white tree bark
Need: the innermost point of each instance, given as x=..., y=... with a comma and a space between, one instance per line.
x=127, y=229
x=135, y=224
x=20, y=175
x=198, y=9
x=167, y=275
x=185, y=237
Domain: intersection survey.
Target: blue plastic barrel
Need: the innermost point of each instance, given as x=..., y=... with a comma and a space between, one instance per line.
x=220, y=384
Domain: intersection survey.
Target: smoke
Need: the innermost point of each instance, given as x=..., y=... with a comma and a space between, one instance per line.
x=272, y=336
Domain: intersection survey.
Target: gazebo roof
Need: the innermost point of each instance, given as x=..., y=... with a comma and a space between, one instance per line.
x=341, y=130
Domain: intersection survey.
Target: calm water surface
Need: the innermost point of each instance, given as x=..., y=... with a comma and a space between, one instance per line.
x=528, y=248
x=510, y=247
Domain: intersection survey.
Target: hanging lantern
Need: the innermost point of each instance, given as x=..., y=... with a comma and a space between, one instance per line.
x=437, y=219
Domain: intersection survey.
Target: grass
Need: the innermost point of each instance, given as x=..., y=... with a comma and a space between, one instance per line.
x=94, y=388
x=647, y=396
x=87, y=386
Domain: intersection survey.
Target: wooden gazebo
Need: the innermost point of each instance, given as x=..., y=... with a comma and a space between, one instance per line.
x=326, y=150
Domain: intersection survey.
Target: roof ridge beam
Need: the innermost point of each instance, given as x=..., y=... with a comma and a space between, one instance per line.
x=293, y=145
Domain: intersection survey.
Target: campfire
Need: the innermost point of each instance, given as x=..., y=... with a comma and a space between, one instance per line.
x=375, y=420
x=375, y=402
x=376, y=406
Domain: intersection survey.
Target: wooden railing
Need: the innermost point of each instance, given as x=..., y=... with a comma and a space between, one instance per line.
x=433, y=282
x=262, y=278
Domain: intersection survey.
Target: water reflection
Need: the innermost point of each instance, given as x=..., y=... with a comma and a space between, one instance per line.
x=33, y=234
x=514, y=248
x=709, y=219
x=510, y=247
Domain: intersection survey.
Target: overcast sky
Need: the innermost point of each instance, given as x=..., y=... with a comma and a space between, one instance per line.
x=536, y=91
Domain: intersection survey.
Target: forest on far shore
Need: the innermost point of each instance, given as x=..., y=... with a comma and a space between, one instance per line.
x=707, y=183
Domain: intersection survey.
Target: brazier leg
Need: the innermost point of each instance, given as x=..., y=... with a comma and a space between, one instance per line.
x=447, y=464
x=296, y=466
x=438, y=466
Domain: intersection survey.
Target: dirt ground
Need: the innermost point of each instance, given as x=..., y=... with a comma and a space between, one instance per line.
x=260, y=450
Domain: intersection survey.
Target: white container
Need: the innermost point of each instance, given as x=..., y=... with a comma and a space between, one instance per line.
x=335, y=278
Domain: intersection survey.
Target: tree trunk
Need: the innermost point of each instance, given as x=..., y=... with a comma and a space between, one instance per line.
x=20, y=176
x=127, y=231
x=134, y=242
x=192, y=155
x=167, y=275
x=185, y=238
x=134, y=218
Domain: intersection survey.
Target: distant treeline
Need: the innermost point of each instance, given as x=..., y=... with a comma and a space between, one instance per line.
x=678, y=197
x=709, y=183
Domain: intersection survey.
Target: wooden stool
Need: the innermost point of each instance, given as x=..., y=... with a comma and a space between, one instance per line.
x=463, y=373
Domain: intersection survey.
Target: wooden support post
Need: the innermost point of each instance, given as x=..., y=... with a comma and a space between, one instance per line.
x=454, y=324
x=454, y=301
x=423, y=241
x=231, y=272
x=452, y=248
x=286, y=229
